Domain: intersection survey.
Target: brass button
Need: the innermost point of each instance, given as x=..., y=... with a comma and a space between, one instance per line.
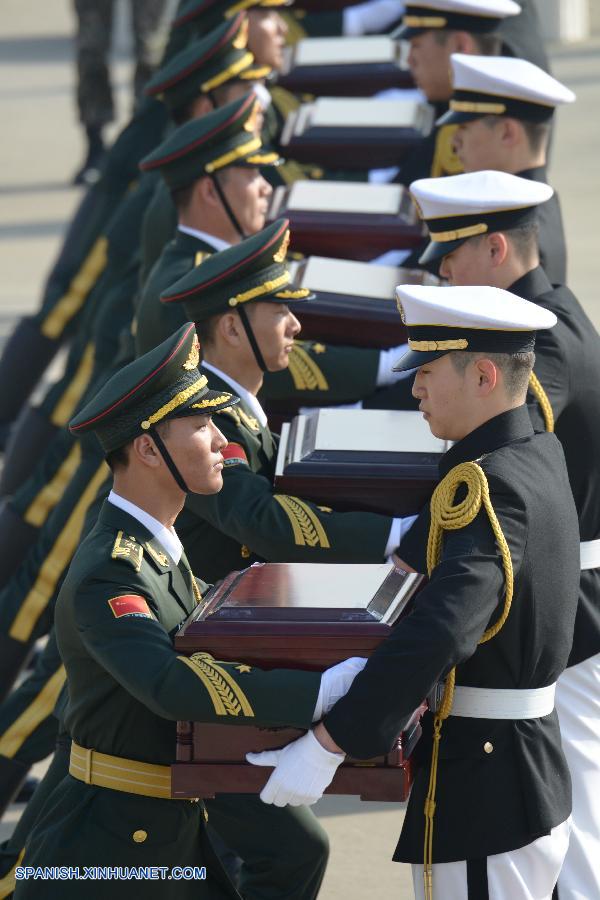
x=488, y=747
x=205, y=811
x=139, y=836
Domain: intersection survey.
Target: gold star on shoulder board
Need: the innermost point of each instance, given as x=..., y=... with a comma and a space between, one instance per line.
x=319, y=348
x=244, y=668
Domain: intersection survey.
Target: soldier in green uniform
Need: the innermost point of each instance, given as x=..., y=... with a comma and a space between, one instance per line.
x=80, y=263
x=239, y=299
x=52, y=503
x=215, y=209
x=208, y=74
x=212, y=167
x=128, y=589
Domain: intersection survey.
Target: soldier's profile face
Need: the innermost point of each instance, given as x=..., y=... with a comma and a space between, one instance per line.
x=267, y=31
x=479, y=145
x=429, y=62
x=275, y=327
x=442, y=393
x=195, y=444
x=248, y=194
x=468, y=264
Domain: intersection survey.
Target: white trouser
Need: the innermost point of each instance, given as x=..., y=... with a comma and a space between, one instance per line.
x=528, y=873
x=578, y=705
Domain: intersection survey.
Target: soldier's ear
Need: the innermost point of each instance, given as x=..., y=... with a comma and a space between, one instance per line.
x=230, y=329
x=145, y=451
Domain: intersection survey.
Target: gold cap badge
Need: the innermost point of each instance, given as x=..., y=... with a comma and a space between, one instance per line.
x=281, y=253
x=194, y=356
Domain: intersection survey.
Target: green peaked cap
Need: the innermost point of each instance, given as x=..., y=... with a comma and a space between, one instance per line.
x=225, y=137
x=255, y=269
x=162, y=384
x=211, y=12
x=206, y=64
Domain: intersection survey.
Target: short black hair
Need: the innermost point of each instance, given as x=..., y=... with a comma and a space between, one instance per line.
x=537, y=133
x=515, y=367
x=206, y=331
x=486, y=44
x=119, y=458
x=525, y=239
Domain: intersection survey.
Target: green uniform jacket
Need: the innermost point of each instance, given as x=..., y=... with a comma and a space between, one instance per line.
x=248, y=521
x=121, y=603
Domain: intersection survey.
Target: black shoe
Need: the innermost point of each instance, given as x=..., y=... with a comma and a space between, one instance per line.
x=92, y=168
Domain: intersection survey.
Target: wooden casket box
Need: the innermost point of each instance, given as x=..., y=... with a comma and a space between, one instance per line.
x=355, y=133
x=345, y=66
x=355, y=302
x=291, y=615
x=347, y=219
x=378, y=460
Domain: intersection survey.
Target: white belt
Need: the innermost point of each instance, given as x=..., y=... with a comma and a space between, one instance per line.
x=590, y=554
x=489, y=703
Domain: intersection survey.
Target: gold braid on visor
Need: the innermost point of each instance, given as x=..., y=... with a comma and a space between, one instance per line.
x=230, y=72
x=269, y=287
x=472, y=106
x=428, y=346
x=466, y=232
x=176, y=401
x=237, y=153
x=424, y=21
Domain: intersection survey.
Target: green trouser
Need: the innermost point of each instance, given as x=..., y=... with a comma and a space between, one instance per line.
x=284, y=849
x=82, y=260
x=11, y=850
x=28, y=727
x=27, y=601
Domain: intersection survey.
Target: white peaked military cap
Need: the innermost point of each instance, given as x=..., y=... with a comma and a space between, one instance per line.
x=480, y=16
x=459, y=207
x=474, y=319
x=502, y=86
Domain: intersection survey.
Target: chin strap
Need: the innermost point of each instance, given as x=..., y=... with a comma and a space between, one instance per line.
x=252, y=339
x=168, y=460
x=226, y=206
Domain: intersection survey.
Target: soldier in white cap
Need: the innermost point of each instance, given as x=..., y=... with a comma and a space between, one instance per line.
x=435, y=30
x=503, y=108
x=482, y=229
x=489, y=809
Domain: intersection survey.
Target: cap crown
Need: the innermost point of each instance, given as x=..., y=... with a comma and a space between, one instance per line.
x=253, y=270
x=226, y=137
x=205, y=64
x=162, y=384
x=476, y=193
x=506, y=78
x=461, y=15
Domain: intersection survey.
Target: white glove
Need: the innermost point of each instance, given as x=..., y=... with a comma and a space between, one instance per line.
x=373, y=16
x=335, y=682
x=303, y=770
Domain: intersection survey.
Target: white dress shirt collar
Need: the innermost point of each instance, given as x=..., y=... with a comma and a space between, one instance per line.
x=167, y=537
x=242, y=392
x=215, y=242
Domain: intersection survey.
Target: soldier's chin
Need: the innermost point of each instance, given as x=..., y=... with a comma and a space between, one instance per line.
x=210, y=485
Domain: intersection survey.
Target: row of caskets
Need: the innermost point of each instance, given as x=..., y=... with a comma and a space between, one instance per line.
x=312, y=616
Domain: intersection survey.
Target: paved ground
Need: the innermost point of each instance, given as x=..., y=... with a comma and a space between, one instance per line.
x=39, y=152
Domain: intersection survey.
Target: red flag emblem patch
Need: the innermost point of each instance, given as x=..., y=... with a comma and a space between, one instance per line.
x=129, y=605
x=234, y=455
